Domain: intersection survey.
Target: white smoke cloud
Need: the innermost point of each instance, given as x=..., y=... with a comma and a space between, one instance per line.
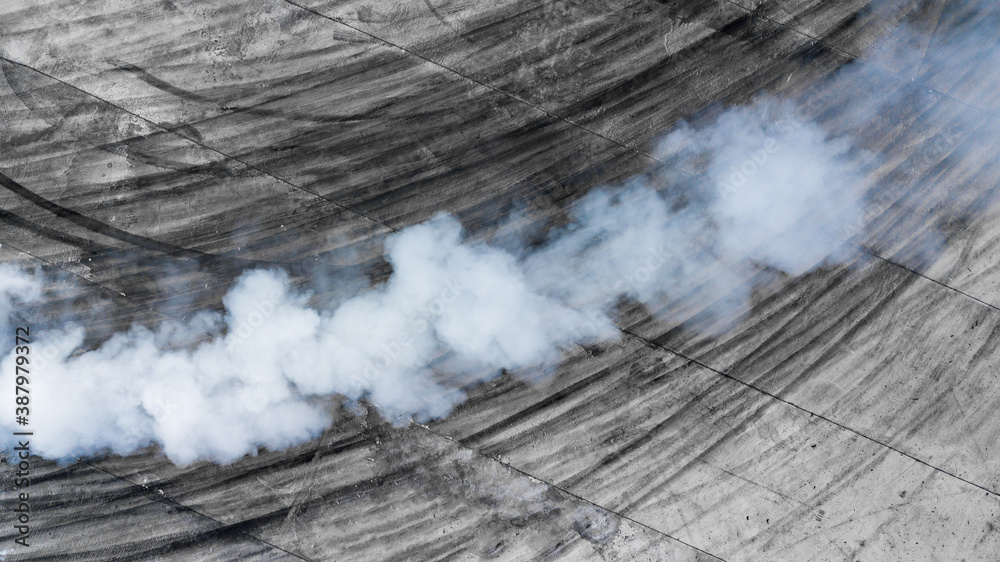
x=267, y=370
x=263, y=371
x=260, y=373
x=784, y=184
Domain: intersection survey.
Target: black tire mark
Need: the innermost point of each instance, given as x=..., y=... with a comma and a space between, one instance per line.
x=255, y=110
x=55, y=120
x=99, y=227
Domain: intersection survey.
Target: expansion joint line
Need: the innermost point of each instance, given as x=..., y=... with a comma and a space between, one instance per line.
x=176, y=133
x=196, y=512
x=567, y=492
x=476, y=81
x=773, y=396
x=874, y=254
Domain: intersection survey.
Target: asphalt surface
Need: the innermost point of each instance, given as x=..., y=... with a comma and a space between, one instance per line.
x=151, y=151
